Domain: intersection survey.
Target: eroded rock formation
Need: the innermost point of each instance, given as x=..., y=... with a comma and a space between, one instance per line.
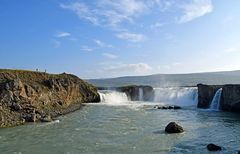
x=27, y=96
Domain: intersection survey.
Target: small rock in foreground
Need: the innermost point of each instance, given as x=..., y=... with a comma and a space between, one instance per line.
x=213, y=147
x=173, y=127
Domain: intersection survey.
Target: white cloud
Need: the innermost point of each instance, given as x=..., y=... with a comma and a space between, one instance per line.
x=82, y=11
x=131, y=37
x=108, y=12
x=139, y=68
x=102, y=44
x=110, y=56
x=195, y=9
x=63, y=34
x=86, y=48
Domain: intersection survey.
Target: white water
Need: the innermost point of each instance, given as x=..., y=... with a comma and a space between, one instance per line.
x=140, y=94
x=113, y=97
x=183, y=96
x=215, y=104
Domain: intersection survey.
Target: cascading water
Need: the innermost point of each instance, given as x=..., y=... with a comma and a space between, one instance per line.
x=183, y=96
x=215, y=104
x=113, y=97
x=140, y=94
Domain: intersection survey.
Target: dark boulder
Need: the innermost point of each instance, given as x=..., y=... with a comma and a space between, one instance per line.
x=173, y=127
x=213, y=147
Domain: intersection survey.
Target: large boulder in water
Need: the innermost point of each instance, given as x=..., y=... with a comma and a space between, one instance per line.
x=213, y=147
x=206, y=94
x=173, y=127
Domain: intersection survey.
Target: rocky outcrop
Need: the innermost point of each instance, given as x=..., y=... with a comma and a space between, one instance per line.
x=230, y=99
x=165, y=107
x=27, y=96
x=206, y=94
x=138, y=93
x=173, y=127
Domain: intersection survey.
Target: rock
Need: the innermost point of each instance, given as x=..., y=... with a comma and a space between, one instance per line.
x=213, y=147
x=30, y=117
x=206, y=94
x=24, y=92
x=47, y=118
x=173, y=127
x=230, y=98
x=167, y=107
x=16, y=107
x=137, y=93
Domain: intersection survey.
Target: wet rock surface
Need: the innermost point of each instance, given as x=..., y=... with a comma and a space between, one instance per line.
x=173, y=127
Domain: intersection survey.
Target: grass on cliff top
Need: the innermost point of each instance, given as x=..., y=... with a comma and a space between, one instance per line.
x=34, y=76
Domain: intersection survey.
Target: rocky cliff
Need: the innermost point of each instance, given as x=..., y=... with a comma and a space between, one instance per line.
x=230, y=97
x=206, y=94
x=27, y=96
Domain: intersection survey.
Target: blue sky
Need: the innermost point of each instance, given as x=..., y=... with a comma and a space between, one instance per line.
x=110, y=38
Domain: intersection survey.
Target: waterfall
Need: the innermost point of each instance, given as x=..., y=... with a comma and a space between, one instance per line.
x=215, y=104
x=140, y=94
x=113, y=97
x=183, y=96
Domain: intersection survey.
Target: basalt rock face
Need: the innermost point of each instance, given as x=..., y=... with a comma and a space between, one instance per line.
x=138, y=93
x=206, y=94
x=230, y=99
x=27, y=96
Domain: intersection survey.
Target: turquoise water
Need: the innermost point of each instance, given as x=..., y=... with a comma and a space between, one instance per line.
x=125, y=129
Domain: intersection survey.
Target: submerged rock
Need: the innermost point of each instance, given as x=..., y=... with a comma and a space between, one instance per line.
x=167, y=107
x=213, y=147
x=173, y=127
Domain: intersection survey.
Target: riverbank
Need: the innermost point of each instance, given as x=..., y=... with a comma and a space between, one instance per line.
x=28, y=96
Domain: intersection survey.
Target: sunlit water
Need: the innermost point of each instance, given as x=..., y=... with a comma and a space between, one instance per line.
x=125, y=129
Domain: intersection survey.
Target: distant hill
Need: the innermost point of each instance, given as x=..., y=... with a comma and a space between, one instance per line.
x=166, y=80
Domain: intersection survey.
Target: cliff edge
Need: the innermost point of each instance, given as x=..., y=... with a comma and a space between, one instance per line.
x=27, y=96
